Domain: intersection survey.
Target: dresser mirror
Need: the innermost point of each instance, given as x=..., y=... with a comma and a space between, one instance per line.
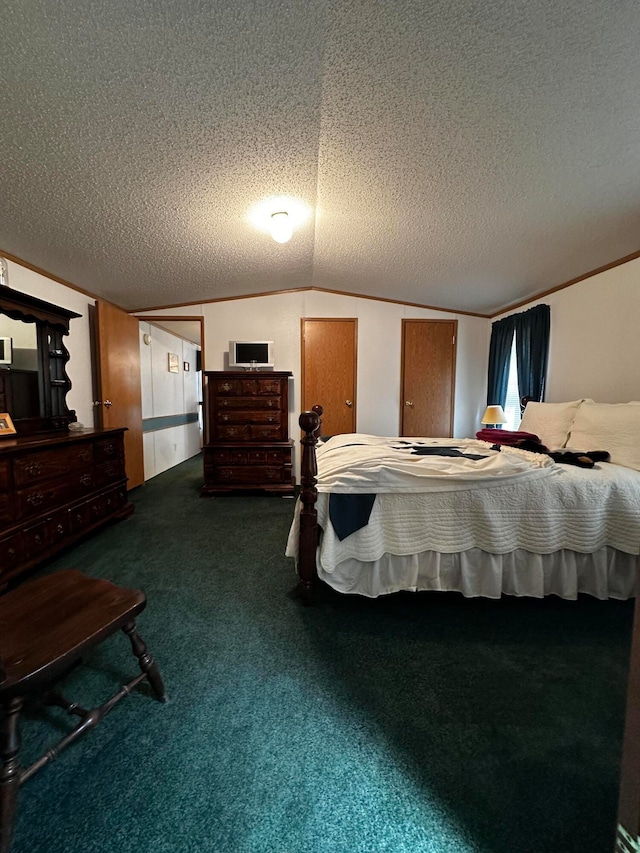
x=33, y=359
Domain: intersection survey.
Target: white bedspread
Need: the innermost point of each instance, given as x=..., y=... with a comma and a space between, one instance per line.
x=358, y=463
x=523, y=507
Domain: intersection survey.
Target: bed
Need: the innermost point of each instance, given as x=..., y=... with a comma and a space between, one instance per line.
x=378, y=515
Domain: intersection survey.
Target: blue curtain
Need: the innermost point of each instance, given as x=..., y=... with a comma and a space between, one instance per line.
x=532, y=350
x=499, y=354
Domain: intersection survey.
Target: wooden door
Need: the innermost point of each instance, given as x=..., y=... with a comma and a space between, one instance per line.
x=119, y=383
x=428, y=377
x=329, y=364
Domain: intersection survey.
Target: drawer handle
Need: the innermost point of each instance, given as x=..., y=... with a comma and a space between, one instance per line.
x=60, y=530
x=85, y=456
x=85, y=480
x=35, y=499
x=11, y=552
x=37, y=539
x=108, y=449
x=33, y=469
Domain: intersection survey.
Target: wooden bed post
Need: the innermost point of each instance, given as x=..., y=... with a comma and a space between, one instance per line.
x=308, y=538
x=628, y=831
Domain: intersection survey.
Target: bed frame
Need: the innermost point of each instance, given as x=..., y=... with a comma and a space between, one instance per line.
x=310, y=423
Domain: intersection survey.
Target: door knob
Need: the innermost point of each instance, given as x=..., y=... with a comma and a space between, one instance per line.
x=108, y=404
x=97, y=403
x=408, y=403
x=349, y=403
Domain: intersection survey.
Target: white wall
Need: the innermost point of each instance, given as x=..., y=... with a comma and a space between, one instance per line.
x=595, y=339
x=277, y=318
x=77, y=342
x=165, y=393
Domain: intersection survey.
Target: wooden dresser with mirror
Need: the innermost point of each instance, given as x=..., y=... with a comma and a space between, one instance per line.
x=56, y=484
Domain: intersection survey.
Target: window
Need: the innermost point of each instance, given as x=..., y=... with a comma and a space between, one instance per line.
x=512, y=403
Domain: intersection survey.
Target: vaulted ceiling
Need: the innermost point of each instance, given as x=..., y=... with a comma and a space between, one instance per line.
x=464, y=155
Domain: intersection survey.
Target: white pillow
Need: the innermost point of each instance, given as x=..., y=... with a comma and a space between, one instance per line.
x=609, y=426
x=551, y=422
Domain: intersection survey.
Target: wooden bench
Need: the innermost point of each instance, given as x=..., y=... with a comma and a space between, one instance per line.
x=46, y=625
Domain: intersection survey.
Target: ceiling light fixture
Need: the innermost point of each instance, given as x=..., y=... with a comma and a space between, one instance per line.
x=279, y=214
x=281, y=229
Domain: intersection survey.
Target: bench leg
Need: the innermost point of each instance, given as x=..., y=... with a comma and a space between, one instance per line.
x=10, y=771
x=147, y=663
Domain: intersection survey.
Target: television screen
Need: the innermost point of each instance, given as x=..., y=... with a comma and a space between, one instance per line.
x=6, y=356
x=251, y=354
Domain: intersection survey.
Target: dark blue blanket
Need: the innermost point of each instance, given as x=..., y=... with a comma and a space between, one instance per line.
x=424, y=450
x=349, y=513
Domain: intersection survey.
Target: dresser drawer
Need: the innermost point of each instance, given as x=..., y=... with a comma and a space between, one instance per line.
x=5, y=510
x=250, y=475
x=10, y=553
x=249, y=417
x=4, y=475
x=35, y=540
x=249, y=456
x=108, y=450
x=109, y=472
x=44, y=465
x=249, y=403
x=49, y=496
x=115, y=499
x=251, y=432
x=254, y=387
x=58, y=528
x=102, y=506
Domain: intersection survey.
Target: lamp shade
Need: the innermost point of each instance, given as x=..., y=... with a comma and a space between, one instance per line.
x=493, y=415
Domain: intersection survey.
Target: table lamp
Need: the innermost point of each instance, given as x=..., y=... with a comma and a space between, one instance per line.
x=494, y=416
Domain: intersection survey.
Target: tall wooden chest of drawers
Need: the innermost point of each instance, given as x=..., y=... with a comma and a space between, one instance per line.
x=247, y=423
x=55, y=489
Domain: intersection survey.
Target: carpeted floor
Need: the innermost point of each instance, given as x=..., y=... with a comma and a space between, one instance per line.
x=411, y=724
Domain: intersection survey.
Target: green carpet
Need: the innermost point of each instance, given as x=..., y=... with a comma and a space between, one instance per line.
x=410, y=724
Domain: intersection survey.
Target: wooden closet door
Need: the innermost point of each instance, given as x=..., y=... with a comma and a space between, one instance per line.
x=329, y=365
x=428, y=377
x=119, y=383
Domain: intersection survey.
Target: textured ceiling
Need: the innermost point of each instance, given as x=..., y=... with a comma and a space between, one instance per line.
x=463, y=155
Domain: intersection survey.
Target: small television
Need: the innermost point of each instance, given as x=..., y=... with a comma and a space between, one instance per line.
x=251, y=354
x=6, y=351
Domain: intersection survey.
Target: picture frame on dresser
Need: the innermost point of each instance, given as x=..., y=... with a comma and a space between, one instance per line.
x=6, y=424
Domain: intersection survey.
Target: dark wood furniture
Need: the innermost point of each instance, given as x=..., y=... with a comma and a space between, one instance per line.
x=55, y=489
x=46, y=627
x=247, y=423
x=37, y=401
x=310, y=424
